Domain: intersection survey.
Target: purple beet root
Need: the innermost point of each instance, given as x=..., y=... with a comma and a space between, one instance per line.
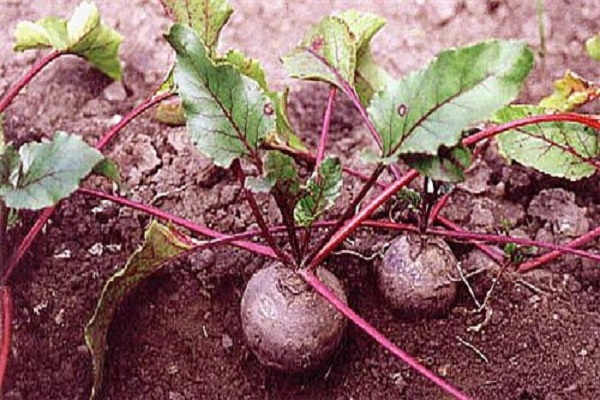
x=288, y=326
x=414, y=276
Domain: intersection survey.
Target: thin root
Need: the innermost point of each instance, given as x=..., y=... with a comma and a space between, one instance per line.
x=488, y=317
x=472, y=347
x=463, y=278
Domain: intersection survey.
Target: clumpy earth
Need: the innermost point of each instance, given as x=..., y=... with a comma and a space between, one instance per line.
x=179, y=335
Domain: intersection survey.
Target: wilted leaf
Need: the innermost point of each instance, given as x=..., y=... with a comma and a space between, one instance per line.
x=285, y=134
x=570, y=92
x=448, y=166
x=592, y=46
x=363, y=26
x=228, y=114
x=370, y=78
x=326, y=50
x=429, y=108
x=320, y=192
x=49, y=171
x=206, y=17
x=170, y=113
x=560, y=149
x=83, y=34
x=161, y=244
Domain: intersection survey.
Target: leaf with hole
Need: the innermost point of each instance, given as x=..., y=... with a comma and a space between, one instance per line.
x=326, y=53
x=49, y=171
x=161, y=244
x=561, y=149
x=430, y=108
x=82, y=34
x=320, y=192
x=228, y=114
x=206, y=17
x=285, y=134
x=570, y=92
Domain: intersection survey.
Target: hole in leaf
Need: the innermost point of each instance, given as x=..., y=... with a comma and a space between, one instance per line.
x=268, y=109
x=402, y=110
x=317, y=44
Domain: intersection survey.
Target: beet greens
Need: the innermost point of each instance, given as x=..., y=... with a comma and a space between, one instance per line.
x=423, y=120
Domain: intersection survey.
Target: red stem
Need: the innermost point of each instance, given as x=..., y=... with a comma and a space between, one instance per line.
x=591, y=121
x=491, y=252
x=163, y=215
x=370, y=330
x=47, y=213
x=326, y=125
x=350, y=226
x=14, y=90
x=149, y=103
x=546, y=258
x=281, y=255
x=6, y=329
x=486, y=237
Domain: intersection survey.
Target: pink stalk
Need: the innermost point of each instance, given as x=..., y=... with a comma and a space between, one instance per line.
x=352, y=224
x=591, y=121
x=39, y=65
x=325, y=128
x=6, y=329
x=485, y=237
x=165, y=216
x=133, y=114
x=548, y=257
x=370, y=330
x=47, y=213
x=491, y=252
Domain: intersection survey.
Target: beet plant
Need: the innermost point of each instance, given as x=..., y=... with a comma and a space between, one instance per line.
x=294, y=311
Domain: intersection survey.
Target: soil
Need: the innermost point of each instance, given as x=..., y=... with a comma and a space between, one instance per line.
x=178, y=336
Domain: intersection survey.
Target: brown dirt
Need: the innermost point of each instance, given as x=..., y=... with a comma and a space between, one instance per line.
x=179, y=337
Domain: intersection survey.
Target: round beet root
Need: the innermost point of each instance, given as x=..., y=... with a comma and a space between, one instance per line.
x=414, y=276
x=289, y=326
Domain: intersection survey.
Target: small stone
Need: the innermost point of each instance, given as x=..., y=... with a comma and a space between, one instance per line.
x=115, y=92
x=175, y=396
x=226, y=341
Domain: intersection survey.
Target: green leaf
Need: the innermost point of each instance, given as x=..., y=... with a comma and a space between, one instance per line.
x=429, y=108
x=49, y=171
x=320, y=192
x=363, y=26
x=592, y=45
x=560, y=149
x=205, y=17
x=83, y=34
x=161, y=244
x=370, y=77
x=570, y=92
x=109, y=169
x=228, y=114
x=327, y=50
x=280, y=172
x=247, y=66
x=448, y=166
x=10, y=166
x=285, y=135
